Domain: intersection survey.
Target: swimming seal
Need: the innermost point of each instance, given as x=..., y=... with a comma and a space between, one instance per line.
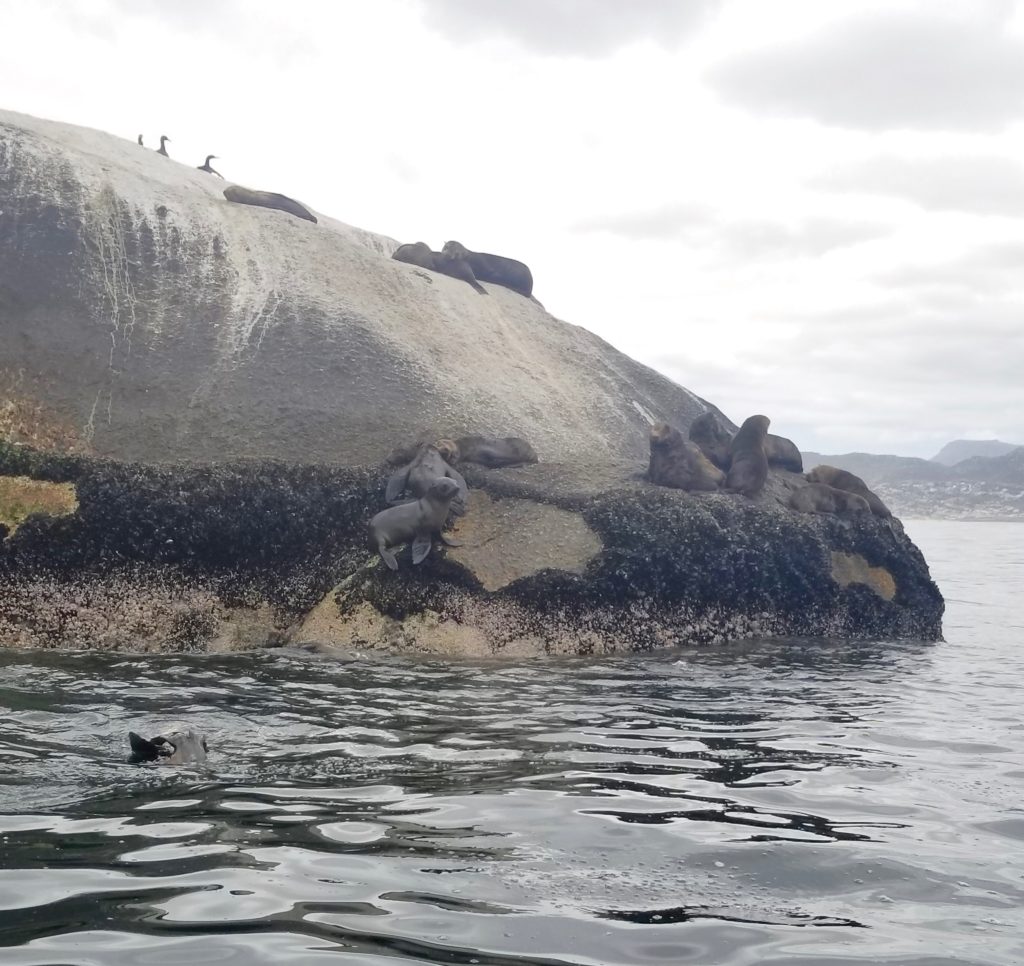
x=493, y=268
x=680, y=464
x=491, y=452
x=748, y=463
x=711, y=435
x=417, y=523
x=844, y=480
x=822, y=498
x=415, y=478
x=267, y=199
x=419, y=253
x=177, y=748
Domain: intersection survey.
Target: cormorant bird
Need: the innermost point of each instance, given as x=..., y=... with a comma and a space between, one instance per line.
x=141, y=145
x=163, y=150
x=205, y=166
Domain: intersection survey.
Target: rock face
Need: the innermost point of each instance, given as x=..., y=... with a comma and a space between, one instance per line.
x=164, y=322
x=145, y=319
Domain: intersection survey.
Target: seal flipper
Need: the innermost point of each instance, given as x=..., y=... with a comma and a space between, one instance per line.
x=396, y=484
x=388, y=557
x=142, y=750
x=421, y=547
x=450, y=541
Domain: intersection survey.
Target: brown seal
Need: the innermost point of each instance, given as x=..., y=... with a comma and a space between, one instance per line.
x=711, y=435
x=680, y=464
x=822, y=498
x=492, y=452
x=419, y=253
x=267, y=199
x=496, y=269
x=748, y=462
x=414, y=479
x=844, y=480
x=417, y=523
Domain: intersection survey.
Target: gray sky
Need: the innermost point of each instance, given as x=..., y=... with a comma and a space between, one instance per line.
x=811, y=210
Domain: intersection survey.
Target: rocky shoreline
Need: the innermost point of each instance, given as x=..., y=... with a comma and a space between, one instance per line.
x=260, y=554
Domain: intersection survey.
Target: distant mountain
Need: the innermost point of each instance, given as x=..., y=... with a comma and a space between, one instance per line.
x=965, y=449
x=978, y=488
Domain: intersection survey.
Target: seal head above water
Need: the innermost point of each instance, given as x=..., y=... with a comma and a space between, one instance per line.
x=186, y=746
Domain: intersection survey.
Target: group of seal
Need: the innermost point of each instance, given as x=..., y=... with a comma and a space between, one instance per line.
x=715, y=459
x=459, y=262
x=423, y=494
x=426, y=491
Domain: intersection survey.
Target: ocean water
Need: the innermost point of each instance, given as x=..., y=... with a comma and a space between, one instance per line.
x=780, y=802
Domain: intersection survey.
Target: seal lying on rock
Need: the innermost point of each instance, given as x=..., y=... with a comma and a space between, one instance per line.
x=178, y=748
x=417, y=523
x=680, y=464
x=493, y=268
x=492, y=453
x=822, y=498
x=267, y=199
x=709, y=433
x=414, y=479
x=419, y=253
x=844, y=480
x=748, y=462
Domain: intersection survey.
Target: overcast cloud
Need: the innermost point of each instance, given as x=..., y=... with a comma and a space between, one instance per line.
x=589, y=28
x=811, y=210
x=924, y=70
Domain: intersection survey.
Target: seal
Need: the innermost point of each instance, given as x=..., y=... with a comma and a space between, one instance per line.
x=678, y=463
x=493, y=452
x=493, y=268
x=822, y=498
x=163, y=145
x=414, y=479
x=748, y=463
x=420, y=254
x=711, y=435
x=783, y=453
x=417, y=522
x=177, y=748
x=267, y=199
x=844, y=480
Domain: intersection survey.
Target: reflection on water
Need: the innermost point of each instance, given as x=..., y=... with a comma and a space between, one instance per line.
x=782, y=802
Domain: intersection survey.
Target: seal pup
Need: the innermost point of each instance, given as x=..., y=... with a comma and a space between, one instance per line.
x=421, y=255
x=205, y=166
x=416, y=477
x=493, y=452
x=748, y=463
x=417, y=522
x=267, y=199
x=680, y=464
x=496, y=269
x=710, y=434
x=844, y=480
x=163, y=148
x=178, y=748
x=822, y=498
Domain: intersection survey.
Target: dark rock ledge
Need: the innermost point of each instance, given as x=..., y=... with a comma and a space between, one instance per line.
x=554, y=560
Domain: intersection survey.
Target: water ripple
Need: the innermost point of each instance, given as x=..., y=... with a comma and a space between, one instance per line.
x=782, y=802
